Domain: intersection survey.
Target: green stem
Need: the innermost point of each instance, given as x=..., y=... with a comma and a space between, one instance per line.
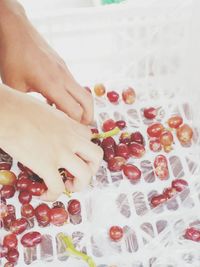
x=67, y=193
x=113, y=132
x=69, y=246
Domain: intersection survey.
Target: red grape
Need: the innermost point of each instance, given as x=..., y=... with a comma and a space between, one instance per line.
x=116, y=233
x=37, y=189
x=68, y=174
x=28, y=173
x=23, y=183
x=7, y=177
x=18, y=226
x=74, y=207
x=169, y=192
x=116, y=164
x=155, y=145
x=166, y=138
x=192, y=234
x=5, y=161
x=27, y=211
x=160, y=160
x=162, y=172
x=167, y=149
x=42, y=213
x=122, y=150
x=58, y=216
x=108, y=142
x=184, y=134
x=99, y=89
x=65, y=174
x=175, y=121
x=132, y=172
x=129, y=96
x=179, y=184
x=31, y=239
x=3, y=201
x=5, y=166
x=7, y=191
x=11, y=209
x=12, y=255
x=150, y=113
x=3, y=251
x=137, y=138
x=22, y=174
x=161, y=167
x=7, y=221
x=58, y=204
x=25, y=197
x=24, y=169
x=9, y=264
x=155, y=129
x=121, y=124
x=96, y=141
x=113, y=96
x=157, y=200
x=109, y=153
x=108, y=125
x=125, y=138
x=94, y=131
x=20, y=166
x=136, y=150
x=10, y=241
x=3, y=209
x=35, y=178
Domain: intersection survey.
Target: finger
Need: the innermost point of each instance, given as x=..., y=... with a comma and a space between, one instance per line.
x=83, y=97
x=79, y=169
x=90, y=153
x=83, y=130
x=73, y=185
x=54, y=184
x=66, y=103
x=56, y=94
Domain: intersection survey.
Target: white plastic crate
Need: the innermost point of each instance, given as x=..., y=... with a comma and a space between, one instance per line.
x=144, y=45
x=113, y=200
x=153, y=43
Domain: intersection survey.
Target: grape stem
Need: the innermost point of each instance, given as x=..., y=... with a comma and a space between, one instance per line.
x=113, y=132
x=67, y=193
x=69, y=246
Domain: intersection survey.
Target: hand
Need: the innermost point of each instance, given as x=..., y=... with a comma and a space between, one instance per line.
x=28, y=63
x=45, y=139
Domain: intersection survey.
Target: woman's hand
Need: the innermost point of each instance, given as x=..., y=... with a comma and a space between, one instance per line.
x=45, y=139
x=28, y=63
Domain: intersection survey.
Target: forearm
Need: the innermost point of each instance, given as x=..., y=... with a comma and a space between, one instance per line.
x=9, y=8
x=11, y=15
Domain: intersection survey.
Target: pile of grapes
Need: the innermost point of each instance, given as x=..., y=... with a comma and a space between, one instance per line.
x=119, y=146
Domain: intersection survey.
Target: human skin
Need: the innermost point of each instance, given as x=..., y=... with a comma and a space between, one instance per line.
x=42, y=137
x=45, y=139
x=28, y=63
